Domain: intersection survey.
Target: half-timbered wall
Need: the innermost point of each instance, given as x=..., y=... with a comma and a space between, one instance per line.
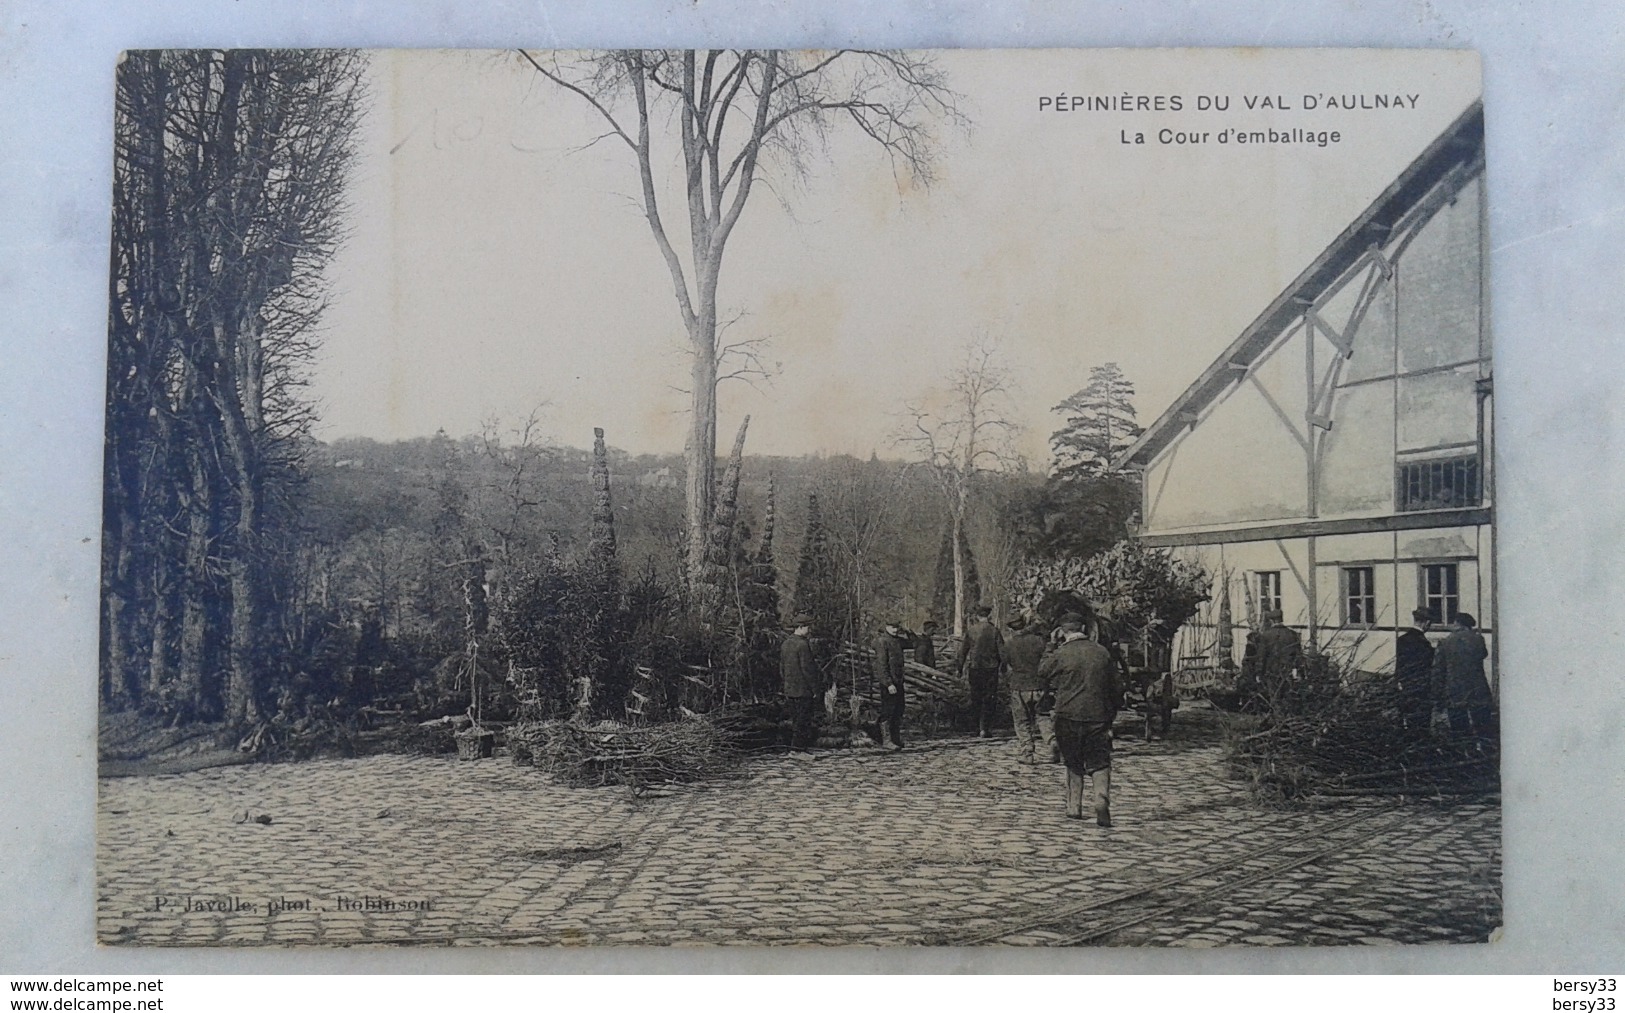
x=1299, y=466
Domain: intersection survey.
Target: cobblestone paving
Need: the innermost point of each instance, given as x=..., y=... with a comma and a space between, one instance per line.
x=951, y=842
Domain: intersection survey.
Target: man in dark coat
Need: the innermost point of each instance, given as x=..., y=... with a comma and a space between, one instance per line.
x=1249, y=690
x=1035, y=734
x=1088, y=692
x=925, y=645
x=803, y=682
x=981, y=658
x=1280, y=659
x=1459, y=685
x=1413, y=674
x=889, y=683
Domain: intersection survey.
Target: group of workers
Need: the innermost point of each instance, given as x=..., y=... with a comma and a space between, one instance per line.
x=1067, y=688
x=1065, y=692
x=1444, y=684
x=1446, y=681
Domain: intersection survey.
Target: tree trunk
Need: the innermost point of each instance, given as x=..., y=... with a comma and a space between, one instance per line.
x=701, y=449
x=195, y=584
x=115, y=650
x=120, y=597
x=241, y=417
x=242, y=685
x=159, y=669
x=959, y=576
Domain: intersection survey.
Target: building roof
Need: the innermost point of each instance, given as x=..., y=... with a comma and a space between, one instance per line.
x=1461, y=143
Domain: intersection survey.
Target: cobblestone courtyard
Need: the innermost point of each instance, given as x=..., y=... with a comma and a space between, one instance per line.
x=952, y=842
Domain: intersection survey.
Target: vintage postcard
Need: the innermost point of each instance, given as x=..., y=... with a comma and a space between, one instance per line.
x=843, y=498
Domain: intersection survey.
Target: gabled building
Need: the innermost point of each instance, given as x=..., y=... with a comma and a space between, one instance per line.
x=1335, y=462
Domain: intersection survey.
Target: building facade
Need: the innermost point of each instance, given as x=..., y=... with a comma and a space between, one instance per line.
x=1336, y=461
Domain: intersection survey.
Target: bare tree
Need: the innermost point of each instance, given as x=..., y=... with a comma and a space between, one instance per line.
x=736, y=112
x=229, y=176
x=996, y=543
x=960, y=431
x=513, y=490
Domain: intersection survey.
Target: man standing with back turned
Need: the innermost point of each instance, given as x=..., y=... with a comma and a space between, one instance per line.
x=1413, y=674
x=981, y=658
x=925, y=645
x=803, y=681
x=1280, y=660
x=1035, y=736
x=1460, y=687
x=1088, y=692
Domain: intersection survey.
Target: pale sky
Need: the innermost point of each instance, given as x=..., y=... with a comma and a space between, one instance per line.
x=494, y=266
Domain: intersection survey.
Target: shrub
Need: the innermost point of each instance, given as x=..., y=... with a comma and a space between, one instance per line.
x=563, y=627
x=1139, y=591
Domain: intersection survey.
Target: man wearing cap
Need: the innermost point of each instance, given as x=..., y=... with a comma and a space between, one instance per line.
x=1413, y=674
x=889, y=683
x=1280, y=658
x=1459, y=684
x=803, y=681
x=925, y=645
x=981, y=658
x=1088, y=693
x=1035, y=736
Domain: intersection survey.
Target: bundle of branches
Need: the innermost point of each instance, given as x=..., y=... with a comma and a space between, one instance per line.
x=607, y=753
x=754, y=727
x=1355, y=744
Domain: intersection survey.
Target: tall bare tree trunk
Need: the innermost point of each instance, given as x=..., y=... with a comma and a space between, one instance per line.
x=242, y=422
x=959, y=575
x=115, y=647
x=160, y=667
x=195, y=585
x=701, y=447
x=243, y=677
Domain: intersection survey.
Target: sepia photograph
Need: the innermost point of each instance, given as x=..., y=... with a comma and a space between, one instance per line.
x=882, y=498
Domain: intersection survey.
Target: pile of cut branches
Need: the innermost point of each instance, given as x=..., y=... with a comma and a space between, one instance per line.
x=1354, y=744
x=606, y=753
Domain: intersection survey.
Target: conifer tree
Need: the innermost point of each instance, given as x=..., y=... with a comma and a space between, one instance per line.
x=1087, y=506
x=763, y=590
x=1100, y=425
x=816, y=593
x=601, y=540
x=717, y=575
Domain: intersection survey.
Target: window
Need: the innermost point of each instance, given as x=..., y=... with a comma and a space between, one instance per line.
x=1441, y=595
x=1439, y=484
x=1269, y=590
x=1359, y=596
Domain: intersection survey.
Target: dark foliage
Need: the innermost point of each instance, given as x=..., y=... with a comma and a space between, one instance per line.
x=817, y=593
x=565, y=629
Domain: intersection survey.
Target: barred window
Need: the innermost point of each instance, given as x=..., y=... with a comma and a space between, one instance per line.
x=1439, y=484
x=1359, y=596
x=1441, y=594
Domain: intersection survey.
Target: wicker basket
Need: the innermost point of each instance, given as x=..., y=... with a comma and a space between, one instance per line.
x=475, y=744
